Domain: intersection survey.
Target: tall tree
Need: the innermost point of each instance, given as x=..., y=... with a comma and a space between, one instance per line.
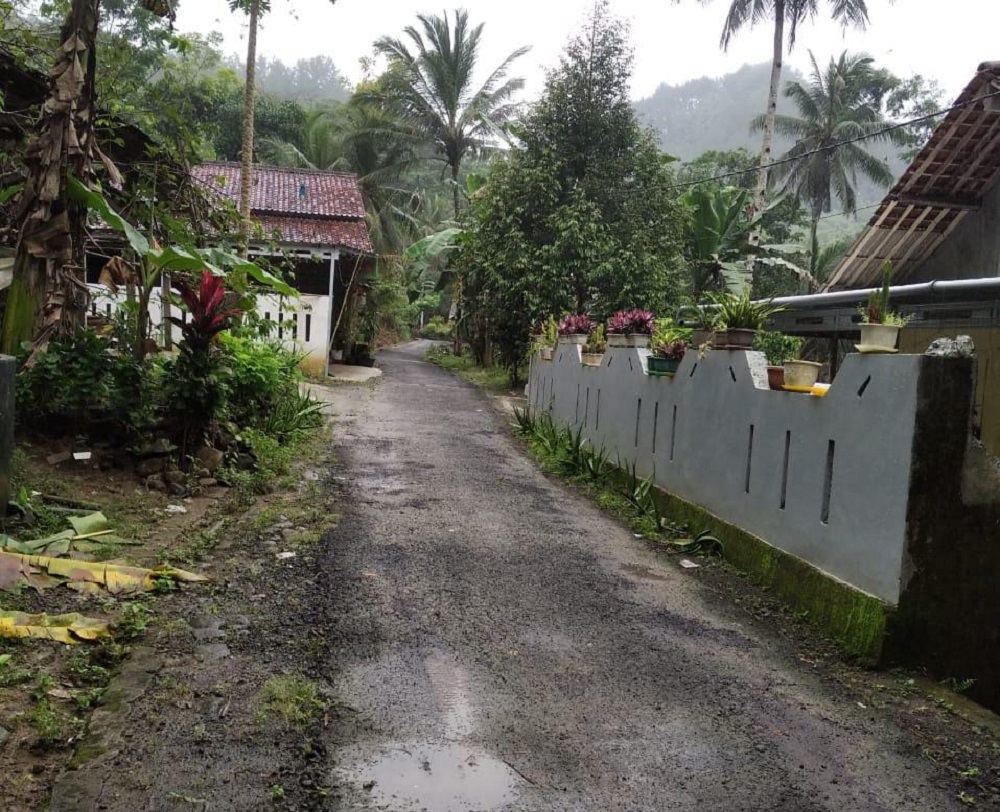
x=253, y=9
x=840, y=103
x=48, y=296
x=430, y=84
x=781, y=13
x=581, y=217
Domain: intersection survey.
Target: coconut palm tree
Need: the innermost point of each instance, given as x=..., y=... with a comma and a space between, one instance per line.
x=253, y=9
x=782, y=13
x=837, y=105
x=361, y=138
x=429, y=85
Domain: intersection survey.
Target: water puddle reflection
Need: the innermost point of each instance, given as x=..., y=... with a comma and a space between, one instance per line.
x=436, y=778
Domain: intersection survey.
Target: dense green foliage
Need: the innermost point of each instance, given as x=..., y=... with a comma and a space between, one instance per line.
x=580, y=218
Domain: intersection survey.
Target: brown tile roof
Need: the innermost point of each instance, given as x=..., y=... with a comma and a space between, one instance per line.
x=275, y=190
x=949, y=178
x=351, y=234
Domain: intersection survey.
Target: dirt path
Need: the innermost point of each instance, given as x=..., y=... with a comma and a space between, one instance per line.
x=491, y=641
x=521, y=647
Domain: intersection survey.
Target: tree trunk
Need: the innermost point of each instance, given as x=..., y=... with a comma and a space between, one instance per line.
x=249, y=110
x=454, y=191
x=48, y=294
x=760, y=193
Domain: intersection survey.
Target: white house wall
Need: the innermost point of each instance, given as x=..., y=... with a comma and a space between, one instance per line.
x=824, y=479
x=305, y=321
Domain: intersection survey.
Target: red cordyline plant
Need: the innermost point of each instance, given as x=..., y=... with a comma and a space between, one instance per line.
x=211, y=309
x=671, y=349
x=576, y=325
x=632, y=321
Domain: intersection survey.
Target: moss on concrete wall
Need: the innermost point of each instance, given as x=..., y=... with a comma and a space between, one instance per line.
x=857, y=620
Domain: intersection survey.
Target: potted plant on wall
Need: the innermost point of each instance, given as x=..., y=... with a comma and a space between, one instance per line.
x=879, y=325
x=706, y=331
x=575, y=329
x=630, y=328
x=777, y=348
x=666, y=356
x=594, y=349
x=546, y=338
x=742, y=317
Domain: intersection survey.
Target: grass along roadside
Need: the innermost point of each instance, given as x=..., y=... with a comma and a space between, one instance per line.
x=49, y=691
x=494, y=380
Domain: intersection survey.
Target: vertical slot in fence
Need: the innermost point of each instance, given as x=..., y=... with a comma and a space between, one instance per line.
x=828, y=483
x=746, y=485
x=673, y=433
x=784, y=468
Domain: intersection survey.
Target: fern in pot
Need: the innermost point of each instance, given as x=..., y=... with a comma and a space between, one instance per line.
x=879, y=325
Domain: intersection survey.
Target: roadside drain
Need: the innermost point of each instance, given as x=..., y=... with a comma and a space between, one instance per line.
x=435, y=778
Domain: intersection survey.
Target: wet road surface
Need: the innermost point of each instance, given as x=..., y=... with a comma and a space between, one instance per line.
x=504, y=645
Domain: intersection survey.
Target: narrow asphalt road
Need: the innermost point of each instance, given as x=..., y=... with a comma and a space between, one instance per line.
x=504, y=645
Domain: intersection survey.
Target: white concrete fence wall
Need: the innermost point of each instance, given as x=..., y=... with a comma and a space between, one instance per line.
x=305, y=321
x=824, y=479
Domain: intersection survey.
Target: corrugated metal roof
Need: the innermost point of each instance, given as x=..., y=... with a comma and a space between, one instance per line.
x=948, y=178
x=308, y=231
x=276, y=190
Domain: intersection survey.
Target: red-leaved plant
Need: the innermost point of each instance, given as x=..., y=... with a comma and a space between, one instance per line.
x=576, y=325
x=671, y=349
x=632, y=321
x=211, y=309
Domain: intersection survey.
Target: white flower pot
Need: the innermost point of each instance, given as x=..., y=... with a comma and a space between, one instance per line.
x=801, y=373
x=617, y=340
x=577, y=339
x=637, y=340
x=878, y=338
x=546, y=353
x=592, y=359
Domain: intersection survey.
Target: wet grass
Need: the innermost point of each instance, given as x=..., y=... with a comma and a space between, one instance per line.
x=490, y=379
x=294, y=699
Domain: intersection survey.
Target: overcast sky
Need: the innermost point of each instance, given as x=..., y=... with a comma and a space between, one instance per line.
x=673, y=42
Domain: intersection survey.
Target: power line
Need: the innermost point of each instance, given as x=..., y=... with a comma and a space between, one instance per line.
x=892, y=128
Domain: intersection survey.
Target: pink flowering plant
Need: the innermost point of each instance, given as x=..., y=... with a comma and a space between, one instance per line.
x=632, y=321
x=576, y=325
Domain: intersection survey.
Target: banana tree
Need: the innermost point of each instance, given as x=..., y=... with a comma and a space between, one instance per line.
x=48, y=295
x=151, y=263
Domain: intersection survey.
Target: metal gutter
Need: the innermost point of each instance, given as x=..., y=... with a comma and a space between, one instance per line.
x=940, y=289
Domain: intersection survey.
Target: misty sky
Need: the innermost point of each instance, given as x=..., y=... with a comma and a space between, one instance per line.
x=673, y=42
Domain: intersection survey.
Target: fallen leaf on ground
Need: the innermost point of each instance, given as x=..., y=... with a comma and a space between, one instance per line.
x=88, y=525
x=72, y=629
x=118, y=579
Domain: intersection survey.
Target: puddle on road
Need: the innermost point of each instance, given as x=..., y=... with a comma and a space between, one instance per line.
x=644, y=573
x=436, y=778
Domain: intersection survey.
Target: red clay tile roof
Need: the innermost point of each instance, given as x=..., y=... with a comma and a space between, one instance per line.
x=275, y=190
x=351, y=234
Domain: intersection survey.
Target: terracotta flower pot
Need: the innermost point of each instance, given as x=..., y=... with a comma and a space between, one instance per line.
x=720, y=340
x=775, y=377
